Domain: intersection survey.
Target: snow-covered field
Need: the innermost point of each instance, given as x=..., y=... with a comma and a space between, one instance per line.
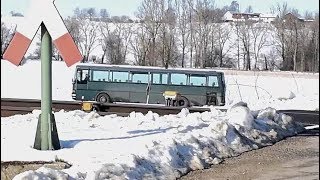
x=143, y=146
x=281, y=90
x=152, y=146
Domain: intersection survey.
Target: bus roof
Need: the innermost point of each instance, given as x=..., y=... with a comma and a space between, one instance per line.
x=147, y=68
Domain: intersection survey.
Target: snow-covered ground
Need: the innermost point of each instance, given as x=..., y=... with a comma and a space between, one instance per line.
x=152, y=146
x=281, y=90
x=143, y=146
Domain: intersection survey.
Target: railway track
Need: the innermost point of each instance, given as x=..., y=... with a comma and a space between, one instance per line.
x=11, y=107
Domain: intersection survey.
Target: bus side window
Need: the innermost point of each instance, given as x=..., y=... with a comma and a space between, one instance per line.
x=79, y=74
x=178, y=79
x=83, y=76
x=156, y=78
x=98, y=75
x=119, y=76
x=140, y=77
x=164, y=78
x=197, y=80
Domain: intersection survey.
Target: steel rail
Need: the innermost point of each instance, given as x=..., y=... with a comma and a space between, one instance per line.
x=11, y=106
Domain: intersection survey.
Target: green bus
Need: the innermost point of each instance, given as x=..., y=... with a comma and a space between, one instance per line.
x=143, y=84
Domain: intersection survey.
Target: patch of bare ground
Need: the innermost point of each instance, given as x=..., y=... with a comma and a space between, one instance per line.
x=12, y=168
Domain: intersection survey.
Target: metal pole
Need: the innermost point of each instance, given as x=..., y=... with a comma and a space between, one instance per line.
x=46, y=136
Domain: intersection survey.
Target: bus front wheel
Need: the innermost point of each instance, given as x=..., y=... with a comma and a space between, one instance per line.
x=103, y=98
x=183, y=102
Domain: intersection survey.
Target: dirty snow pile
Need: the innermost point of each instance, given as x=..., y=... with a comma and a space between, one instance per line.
x=143, y=146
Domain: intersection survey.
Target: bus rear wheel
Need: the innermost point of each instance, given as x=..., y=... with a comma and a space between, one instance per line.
x=183, y=102
x=103, y=98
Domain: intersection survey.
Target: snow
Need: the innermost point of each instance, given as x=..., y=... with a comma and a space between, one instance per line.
x=143, y=146
x=280, y=90
x=152, y=146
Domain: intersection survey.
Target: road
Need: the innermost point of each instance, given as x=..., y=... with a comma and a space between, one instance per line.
x=293, y=158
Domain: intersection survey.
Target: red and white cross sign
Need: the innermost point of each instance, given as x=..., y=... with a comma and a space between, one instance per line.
x=46, y=12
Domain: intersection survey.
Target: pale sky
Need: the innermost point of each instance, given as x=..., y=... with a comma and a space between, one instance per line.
x=128, y=7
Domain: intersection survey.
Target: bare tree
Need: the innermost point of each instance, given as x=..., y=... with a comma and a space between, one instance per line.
x=311, y=50
x=280, y=32
x=190, y=14
x=115, y=41
x=280, y=9
x=150, y=14
x=234, y=6
x=315, y=42
x=6, y=35
x=224, y=34
x=181, y=11
x=104, y=15
x=73, y=25
x=204, y=18
x=88, y=34
x=140, y=45
x=114, y=48
x=249, y=9
x=246, y=39
x=105, y=33
x=304, y=35
x=308, y=15
x=259, y=33
x=168, y=51
x=237, y=25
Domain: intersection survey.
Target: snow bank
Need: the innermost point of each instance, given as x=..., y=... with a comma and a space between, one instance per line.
x=144, y=146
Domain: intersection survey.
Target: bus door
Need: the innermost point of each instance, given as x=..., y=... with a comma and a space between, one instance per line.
x=158, y=85
x=140, y=87
x=83, y=77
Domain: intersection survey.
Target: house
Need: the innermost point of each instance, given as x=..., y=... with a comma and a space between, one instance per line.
x=267, y=17
x=230, y=16
x=294, y=21
x=291, y=17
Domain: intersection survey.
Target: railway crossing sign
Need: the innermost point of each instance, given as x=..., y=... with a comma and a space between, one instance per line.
x=42, y=11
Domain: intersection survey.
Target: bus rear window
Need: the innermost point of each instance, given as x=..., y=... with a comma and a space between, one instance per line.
x=213, y=81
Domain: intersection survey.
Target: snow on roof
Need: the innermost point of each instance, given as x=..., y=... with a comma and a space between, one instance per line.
x=268, y=15
x=143, y=67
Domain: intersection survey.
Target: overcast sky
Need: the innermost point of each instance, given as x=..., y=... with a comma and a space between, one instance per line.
x=128, y=7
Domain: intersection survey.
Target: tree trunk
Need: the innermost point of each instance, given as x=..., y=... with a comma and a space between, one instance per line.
x=302, y=68
x=248, y=61
x=265, y=63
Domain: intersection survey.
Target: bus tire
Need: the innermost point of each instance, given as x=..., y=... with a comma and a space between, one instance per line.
x=103, y=98
x=183, y=102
